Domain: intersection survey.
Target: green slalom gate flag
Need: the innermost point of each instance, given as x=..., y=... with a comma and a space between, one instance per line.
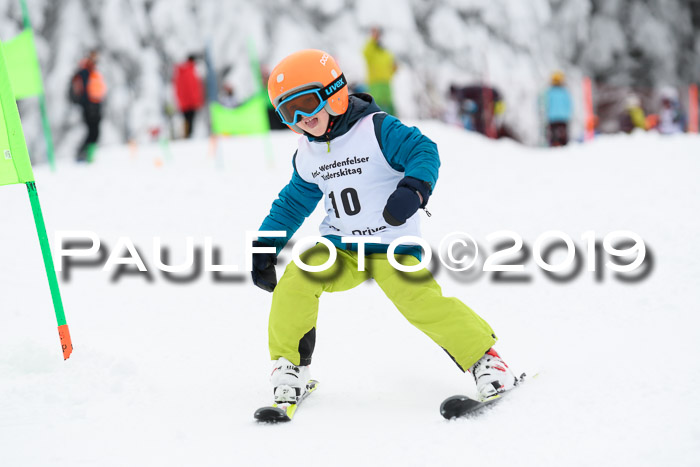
x=249, y=118
x=25, y=75
x=14, y=159
x=23, y=65
x=15, y=167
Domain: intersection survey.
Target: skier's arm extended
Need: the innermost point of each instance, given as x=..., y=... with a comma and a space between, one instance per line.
x=293, y=205
x=407, y=150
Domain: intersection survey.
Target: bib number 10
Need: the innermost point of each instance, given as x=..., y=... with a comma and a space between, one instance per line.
x=349, y=200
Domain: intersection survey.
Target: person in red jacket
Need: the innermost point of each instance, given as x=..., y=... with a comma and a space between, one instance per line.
x=189, y=91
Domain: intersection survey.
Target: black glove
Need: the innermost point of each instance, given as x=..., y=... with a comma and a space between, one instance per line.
x=264, y=275
x=404, y=201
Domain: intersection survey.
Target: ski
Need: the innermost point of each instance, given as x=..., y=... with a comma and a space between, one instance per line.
x=283, y=412
x=464, y=406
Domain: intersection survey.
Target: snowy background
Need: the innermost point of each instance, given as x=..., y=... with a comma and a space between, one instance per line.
x=514, y=45
x=167, y=374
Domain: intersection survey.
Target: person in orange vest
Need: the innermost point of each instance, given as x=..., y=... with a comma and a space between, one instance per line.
x=189, y=91
x=88, y=90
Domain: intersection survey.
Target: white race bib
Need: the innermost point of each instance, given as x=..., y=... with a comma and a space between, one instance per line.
x=356, y=181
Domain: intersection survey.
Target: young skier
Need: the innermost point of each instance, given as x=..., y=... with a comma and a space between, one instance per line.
x=373, y=174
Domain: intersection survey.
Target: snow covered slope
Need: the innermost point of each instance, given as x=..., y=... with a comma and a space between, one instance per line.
x=170, y=374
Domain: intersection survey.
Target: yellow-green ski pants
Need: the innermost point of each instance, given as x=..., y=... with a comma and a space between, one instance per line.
x=446, y=320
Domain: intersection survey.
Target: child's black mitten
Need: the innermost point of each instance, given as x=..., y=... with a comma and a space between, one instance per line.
x=404, y=201
x=264, y=274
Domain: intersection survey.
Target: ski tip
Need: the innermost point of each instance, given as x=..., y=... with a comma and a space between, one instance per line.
x=456, y=406
x=463, y=406
x=271, y=415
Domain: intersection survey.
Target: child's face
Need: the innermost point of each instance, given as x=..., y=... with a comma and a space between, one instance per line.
x=315, y=125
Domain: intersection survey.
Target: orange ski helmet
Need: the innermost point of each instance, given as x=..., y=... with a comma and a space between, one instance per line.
x=309, y=69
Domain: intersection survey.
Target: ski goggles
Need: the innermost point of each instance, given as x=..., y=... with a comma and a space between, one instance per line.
x=308, y=102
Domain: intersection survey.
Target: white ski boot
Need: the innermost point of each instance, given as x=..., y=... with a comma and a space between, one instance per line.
x=492, y=375
x=289, y=381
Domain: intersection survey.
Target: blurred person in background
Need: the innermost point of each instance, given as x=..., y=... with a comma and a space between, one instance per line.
x=227, y=96
x=670, y=119
x=189, y=92
x=469, y=114
x=633, y=115
x=482, y=109
x=88, y=90
x=381, y=67
x=558, y=111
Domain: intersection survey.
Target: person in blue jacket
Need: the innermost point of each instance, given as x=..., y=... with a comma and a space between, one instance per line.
x=558, y=108
x=373, y=174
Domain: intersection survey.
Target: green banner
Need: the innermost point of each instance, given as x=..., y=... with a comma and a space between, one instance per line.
x=23, y=65
x=15, y=166
x=249, y=118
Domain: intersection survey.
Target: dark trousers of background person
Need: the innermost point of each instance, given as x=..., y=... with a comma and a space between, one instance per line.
x=189, y=122
x=92, y=114
x=558, y=134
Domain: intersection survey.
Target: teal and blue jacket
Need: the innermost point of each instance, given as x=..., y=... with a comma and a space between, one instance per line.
x=406, y=150
x=558, y=102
